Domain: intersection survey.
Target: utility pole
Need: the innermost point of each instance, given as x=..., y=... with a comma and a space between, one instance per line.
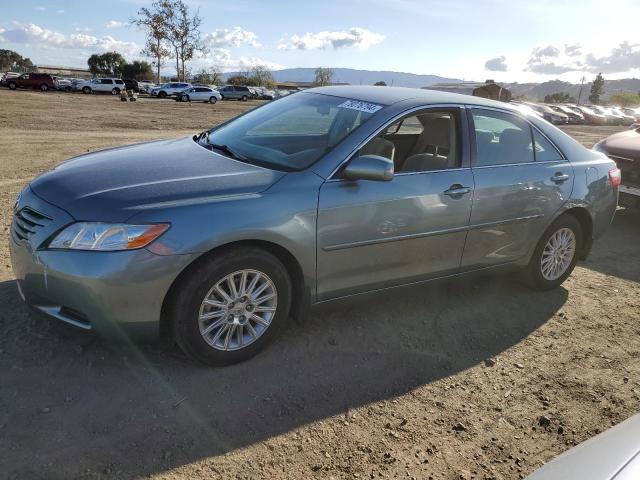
x=581, y=85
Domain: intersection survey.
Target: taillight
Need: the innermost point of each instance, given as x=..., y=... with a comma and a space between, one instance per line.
x=615, y=177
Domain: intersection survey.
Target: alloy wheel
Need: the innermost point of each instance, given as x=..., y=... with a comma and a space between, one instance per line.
x=237, y=310
x=558, y=254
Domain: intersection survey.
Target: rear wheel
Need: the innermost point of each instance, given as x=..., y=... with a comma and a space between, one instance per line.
x=244, y=98
x=115, y=91
x=230, y=306
x=86, y=89
x=556, y=254
x=213, y=100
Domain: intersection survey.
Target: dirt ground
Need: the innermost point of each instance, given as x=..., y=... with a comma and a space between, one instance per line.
x=471, y=379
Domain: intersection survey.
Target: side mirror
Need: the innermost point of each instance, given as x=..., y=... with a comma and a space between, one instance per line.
x=369, y=167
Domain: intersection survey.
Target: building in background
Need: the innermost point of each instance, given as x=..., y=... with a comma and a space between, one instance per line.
x=63, y=71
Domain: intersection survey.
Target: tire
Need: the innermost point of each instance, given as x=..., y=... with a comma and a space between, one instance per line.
x=44, y=87
x=115, y=91
x=12, y=85
x=162, y=95
x=213, y=100
x=244, y=98
x=186, y=306
x=86, y=90
x=67, y=89
x=184, y=98
x=565, y=226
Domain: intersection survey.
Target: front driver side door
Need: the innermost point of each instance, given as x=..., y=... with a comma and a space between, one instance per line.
x=379, y=234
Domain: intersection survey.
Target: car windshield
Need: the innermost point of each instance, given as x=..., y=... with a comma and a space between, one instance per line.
x=291, y=133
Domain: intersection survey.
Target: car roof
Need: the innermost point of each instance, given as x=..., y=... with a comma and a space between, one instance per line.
x=390, y=95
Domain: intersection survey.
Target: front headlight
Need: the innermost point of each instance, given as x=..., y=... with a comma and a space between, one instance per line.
x=107, y=236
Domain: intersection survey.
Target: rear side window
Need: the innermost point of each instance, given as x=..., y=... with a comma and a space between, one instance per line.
x=545, y=150
x=120, y=82
x=501, y=138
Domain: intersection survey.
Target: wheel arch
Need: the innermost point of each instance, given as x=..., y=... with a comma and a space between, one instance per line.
x=586, y=224
x=300, y=293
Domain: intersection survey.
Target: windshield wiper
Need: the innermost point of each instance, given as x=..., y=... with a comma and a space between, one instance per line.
x=226, y=149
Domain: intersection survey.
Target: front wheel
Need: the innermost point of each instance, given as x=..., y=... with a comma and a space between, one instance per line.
x=86, y=90
x=44, y=87
x=230, y=306
x=213, y=100
x=162, y=95
x=556, y=254
x=12, y=85
x=244, y=98
x=185, y=98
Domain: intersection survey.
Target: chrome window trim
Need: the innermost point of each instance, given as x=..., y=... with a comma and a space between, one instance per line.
x=525, y=119
x=387, y=125
x=403, y=174
x=517, y=164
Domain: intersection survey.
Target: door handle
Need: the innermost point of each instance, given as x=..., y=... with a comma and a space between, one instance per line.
x=457, y=190
x=560, y=177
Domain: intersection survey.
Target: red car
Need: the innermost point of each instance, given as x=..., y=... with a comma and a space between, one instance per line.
x=42, y=81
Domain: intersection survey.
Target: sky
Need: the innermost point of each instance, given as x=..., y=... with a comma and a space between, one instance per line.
x=506, y=40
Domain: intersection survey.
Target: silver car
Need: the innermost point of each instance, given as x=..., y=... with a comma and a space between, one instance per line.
x=198, y=94
x=328, y=193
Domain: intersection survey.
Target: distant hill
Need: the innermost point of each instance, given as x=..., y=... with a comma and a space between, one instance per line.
x=357, y=77
x=537, y=91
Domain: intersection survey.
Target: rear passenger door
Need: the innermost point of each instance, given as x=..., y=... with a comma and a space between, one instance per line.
x=521, y=181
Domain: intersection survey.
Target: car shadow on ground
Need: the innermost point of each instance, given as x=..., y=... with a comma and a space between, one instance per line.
x=617, y=253
x=80, y=402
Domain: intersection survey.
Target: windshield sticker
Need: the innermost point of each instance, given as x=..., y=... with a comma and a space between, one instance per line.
x=360, y=106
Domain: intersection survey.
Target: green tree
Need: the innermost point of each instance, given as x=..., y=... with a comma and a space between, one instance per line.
x=625, y=99
x=380, y=84
x=139, y=70
x=109, y=63
x=597, y=89
x=13, y=61
x=323, y=76
x=213, y=76
x=261, y=76
x=154, y=22
x=237, y=80
x=559, y=97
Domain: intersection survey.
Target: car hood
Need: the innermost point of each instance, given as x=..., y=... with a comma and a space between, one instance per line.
x=114, y=184
x=612, y=454
x=624, y=144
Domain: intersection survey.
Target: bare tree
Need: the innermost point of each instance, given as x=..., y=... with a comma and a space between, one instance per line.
x=323, y=76
x=154, y=21
x=184, y=34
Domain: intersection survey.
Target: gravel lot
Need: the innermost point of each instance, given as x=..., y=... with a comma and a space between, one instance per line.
x=479, y=378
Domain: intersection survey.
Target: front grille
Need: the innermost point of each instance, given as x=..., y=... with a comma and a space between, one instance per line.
x=26, y=223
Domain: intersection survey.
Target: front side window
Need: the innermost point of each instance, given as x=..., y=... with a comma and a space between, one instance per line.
x=294, y=132
x=423, y=142
x=501, y=138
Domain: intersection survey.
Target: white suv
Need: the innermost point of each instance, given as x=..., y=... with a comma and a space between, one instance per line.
x=168, y=89
x=111, y=85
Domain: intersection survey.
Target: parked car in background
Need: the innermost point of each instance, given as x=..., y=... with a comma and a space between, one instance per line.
x=624, y=149
x=549, y=114
x=39, y=81
x=574, y=117
x=634, y=112
x=145, y=86
x=235, y=92
x=612, y=455
x=198, y=94
x=7, y=76
x=64, y=84
x=592, y=117
x=169, y=89
x=526, y=109
x=624, y=118
x=101, y=85
x=326, y=193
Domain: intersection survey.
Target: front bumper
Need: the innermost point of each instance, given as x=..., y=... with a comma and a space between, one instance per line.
x=115, y=293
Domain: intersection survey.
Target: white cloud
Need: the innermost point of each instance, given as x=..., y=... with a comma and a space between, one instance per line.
x=354, y=37
x=234, y=37
x=40, y=9
x=114, y=24
x=34, y=34
x=623, y=58
x=497, y=64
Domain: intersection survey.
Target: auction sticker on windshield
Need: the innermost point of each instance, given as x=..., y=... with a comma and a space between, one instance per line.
x=360, y=106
